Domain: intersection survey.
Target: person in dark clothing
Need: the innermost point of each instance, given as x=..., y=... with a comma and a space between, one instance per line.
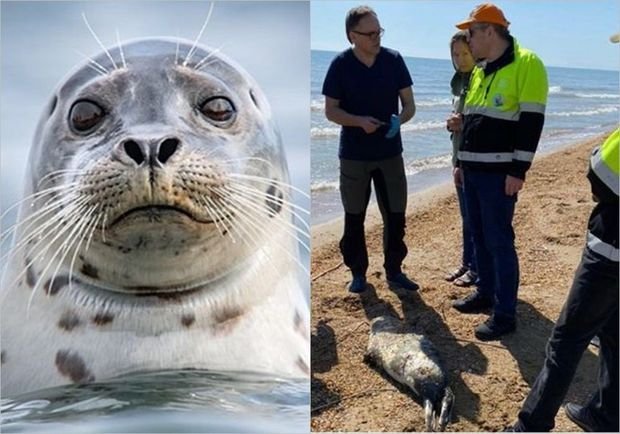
x=591, y=309
x=503, y=118
x=463, y=62
x=362, y=90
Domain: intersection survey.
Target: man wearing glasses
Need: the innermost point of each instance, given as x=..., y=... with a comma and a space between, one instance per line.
x=504, y=115
x=362, y=89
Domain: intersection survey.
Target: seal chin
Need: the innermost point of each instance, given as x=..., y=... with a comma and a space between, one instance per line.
x=154, y=214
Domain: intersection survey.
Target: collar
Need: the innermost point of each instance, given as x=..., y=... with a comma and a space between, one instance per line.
x=507, y=57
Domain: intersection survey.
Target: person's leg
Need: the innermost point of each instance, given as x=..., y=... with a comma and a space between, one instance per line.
x=469, y=259
x=473, y=184
x=391, y=189
x=591, y=303
x=497, y=211
x=355, y=193
x=603, y=406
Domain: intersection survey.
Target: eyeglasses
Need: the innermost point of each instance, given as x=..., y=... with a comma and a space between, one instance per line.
x=371, y=35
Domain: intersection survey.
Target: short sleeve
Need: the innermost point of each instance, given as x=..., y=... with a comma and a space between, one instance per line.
x=332, y=84
x=403, y=76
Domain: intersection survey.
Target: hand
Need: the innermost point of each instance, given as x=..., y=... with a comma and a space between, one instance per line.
x=394, y=127
x=457, y=174
x=369, y=124
x=513, y=185
x=455, y=122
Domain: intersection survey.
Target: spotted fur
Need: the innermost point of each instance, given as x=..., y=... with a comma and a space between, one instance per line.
x=71, y=365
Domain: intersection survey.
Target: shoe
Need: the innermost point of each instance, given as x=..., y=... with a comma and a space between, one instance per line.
x=467, y=279
x=358, y=284
x=456, y=273
x=401, y=280
x=581, y=417
x=492, y=329
x=473, y=303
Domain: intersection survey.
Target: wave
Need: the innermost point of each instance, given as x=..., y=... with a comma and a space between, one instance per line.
x=555, y=89
x=558, y=91
x=317, y=105
x=324, y=186
x=592, y=112
x=411, y=168
x=436, y=162
x=324, y=132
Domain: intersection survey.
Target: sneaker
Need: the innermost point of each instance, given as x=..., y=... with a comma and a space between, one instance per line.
x=473, y=303
x=492, y=329
x=401, y=280
x=358, y=284
x=582, y=417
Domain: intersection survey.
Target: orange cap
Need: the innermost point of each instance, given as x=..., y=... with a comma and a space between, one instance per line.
x=484, y=13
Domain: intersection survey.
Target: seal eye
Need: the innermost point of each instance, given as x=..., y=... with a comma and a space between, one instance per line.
x=218, y=109
x=85, y=115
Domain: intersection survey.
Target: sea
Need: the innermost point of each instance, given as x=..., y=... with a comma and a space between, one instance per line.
x=582, y=103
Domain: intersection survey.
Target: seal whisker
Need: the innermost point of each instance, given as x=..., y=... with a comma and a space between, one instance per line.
x=210, y=211
x=75, y=228
x=120, y=48
x=249, y=220
x=265, y=180
x=29, y=236
x=93, y=64
x=291, y=207
x=202, y=29
x=36, y=196
x=67, y=245
x=202, y=64
x=56, y=173
x=225, y=218
x=74, y=258
x=289, y=227
x=92, y=32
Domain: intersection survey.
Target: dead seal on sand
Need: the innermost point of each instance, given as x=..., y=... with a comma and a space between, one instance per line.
x=412, y=360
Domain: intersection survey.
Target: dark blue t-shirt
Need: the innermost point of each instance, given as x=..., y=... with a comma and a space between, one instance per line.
x=365, y=91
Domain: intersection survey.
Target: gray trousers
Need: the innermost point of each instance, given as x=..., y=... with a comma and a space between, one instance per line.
x=390, y=184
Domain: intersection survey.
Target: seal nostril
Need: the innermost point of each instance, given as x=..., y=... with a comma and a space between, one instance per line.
x=133, y=150
x=166, y=149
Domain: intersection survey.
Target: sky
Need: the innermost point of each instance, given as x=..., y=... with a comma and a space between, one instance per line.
x=568, y=33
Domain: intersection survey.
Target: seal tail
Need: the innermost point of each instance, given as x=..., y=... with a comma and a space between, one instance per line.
x=447, y=403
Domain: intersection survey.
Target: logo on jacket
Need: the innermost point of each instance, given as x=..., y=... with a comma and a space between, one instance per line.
x=498, y=100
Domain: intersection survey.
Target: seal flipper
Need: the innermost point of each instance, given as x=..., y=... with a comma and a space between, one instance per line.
x=446, y=409
x=429, y=415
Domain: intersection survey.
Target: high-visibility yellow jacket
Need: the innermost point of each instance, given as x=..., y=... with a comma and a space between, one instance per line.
x=604, y=180
x=504, y=113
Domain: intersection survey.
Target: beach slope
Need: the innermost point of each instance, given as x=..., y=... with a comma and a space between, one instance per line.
x=489, y=380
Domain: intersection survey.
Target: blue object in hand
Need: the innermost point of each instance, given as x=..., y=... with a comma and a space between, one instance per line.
x=394, y=126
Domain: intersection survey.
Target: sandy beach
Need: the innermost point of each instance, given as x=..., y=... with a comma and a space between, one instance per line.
x=489, y=380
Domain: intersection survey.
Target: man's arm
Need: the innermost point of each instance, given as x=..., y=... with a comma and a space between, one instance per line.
x=334, y=113
x=408, y=103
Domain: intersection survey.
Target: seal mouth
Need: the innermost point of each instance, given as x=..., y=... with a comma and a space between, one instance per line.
x=155, y=214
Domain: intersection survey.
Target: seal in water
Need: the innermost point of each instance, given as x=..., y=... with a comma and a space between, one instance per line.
x=157, y=228
x=412, y=360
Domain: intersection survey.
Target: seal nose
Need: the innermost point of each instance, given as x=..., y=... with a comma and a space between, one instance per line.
x=153, y=152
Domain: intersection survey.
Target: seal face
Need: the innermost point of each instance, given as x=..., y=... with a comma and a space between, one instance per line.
x=157, y=228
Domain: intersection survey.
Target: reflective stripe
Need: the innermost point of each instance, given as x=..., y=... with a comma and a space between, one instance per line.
x=601, y=247
x=532, y=107
x=492, y=113
x=524, y=156
x=603, y=171
x=496, y=157
x=486, y=157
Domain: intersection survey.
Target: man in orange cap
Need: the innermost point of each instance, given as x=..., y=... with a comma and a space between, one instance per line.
x=591, y=309
x=502, y=121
